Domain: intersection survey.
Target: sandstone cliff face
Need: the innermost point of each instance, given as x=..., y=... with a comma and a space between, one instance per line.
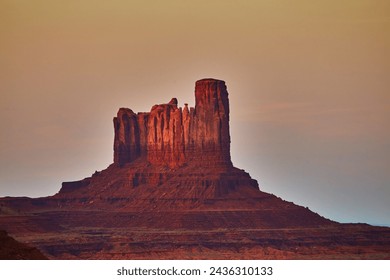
x=171, y=135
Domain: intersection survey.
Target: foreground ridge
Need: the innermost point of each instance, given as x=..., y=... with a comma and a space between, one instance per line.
x=172, y=192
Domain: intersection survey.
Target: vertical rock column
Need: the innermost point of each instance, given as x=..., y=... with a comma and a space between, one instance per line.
x=127, y=137
x=165, y=138
x=210, y=125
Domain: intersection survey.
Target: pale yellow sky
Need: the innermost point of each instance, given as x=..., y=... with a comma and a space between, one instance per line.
x=308, y=82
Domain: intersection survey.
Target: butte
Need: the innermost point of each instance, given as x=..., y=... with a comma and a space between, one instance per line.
x=172, y=192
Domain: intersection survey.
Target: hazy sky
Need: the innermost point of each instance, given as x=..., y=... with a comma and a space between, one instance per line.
x=308, y=81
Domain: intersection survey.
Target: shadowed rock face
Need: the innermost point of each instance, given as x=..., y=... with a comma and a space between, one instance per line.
x=171, y=135
x=10, y=249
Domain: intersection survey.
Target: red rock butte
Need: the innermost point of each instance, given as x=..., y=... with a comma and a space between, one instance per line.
x=187, y=146
x=172, y=192
x=173, y=136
